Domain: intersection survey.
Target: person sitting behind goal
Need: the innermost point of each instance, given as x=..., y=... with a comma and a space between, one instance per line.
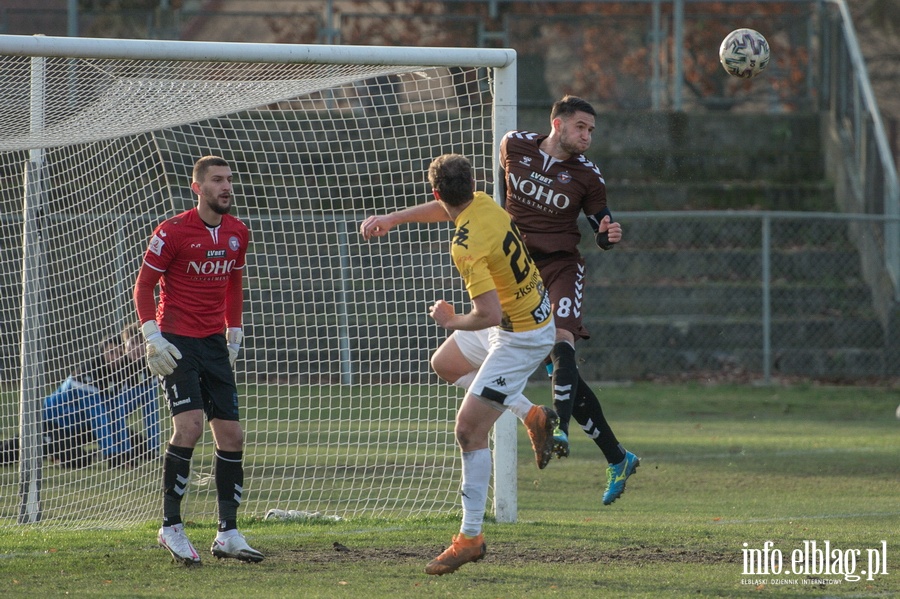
x=77, y=413
x=138, y=390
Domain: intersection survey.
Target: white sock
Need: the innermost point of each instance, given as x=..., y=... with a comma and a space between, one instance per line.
x=519, y=405
x=476, y=477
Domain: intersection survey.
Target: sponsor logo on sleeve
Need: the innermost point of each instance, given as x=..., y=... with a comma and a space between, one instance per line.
x=156, y=245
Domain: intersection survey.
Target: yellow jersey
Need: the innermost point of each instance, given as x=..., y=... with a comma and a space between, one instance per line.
x=489, y=254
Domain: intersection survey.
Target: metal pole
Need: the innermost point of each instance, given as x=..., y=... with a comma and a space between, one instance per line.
x=32, y=376
x=766, y=297
x=657, y=36
x=505, y=458
x=72, y=24
x=329, y=22
x=892, y=231
x=344, y=342
x=678, y=42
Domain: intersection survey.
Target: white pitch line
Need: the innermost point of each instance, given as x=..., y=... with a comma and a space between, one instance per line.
x=815, y=517
x=757, y=454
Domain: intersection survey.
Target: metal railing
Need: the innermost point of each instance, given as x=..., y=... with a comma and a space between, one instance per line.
x=737, y=295
x=863, y=165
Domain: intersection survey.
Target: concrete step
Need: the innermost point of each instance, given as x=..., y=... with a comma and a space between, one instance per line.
x=690, y=346
x=801, y=267
x=691, y=331
x=727, y=300
x=845, y=364
x=720, y=195
x=721, y=231
x=695, y=147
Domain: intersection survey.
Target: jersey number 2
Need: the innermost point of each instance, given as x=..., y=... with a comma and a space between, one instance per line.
x=519, y=260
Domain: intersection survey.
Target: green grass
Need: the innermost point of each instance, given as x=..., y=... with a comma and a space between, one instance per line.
x=722, y=466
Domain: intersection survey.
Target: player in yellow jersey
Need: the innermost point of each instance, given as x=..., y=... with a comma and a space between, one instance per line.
x=494, y=347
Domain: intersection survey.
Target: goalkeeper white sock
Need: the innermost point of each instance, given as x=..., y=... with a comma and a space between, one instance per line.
x=519, y=405
x=476, y=477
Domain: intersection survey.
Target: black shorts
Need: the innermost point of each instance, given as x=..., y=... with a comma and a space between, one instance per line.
x=563, y=276
x=203, y=378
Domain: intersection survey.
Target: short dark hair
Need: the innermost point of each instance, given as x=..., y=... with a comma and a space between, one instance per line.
x=451, y=176
x=203, y=164
x=569, y=105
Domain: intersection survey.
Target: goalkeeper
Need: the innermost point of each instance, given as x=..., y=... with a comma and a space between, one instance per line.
x=546, y=182
x=193, y=337
x=494, y=347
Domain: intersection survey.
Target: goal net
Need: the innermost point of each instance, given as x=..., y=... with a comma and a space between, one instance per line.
x=342, y=415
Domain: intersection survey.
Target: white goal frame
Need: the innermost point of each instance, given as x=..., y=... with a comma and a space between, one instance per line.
x=502, y=62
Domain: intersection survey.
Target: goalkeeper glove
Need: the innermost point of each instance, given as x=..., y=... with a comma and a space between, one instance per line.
x=161, y=355
x=233, y=337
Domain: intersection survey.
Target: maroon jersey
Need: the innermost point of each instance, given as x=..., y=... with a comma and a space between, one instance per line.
x=544, y=195
x=197, y=263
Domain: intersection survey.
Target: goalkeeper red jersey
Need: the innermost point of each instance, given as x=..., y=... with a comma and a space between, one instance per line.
x=544, y=195
x=201, y=268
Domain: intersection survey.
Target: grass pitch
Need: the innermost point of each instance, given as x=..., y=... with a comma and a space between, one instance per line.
x=742, y=492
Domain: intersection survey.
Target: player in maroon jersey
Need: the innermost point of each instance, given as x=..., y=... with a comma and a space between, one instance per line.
x=546, y=183
x=193, y=337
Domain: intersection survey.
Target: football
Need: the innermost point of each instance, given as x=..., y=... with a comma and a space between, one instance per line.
x=744, y=53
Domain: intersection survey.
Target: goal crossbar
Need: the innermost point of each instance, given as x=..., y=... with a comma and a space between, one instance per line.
x=78, y=47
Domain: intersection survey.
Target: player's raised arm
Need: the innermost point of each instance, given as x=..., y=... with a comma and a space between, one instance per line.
x=379, y=225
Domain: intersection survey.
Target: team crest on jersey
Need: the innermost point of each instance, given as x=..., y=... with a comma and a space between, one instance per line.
x=234, y=244
x=564, y=177
x=526, y=161
x=156, y=245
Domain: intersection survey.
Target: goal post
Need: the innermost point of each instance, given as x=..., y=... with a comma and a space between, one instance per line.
x=342, y=415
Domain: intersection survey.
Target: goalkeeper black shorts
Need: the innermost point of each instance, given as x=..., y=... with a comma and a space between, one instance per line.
x=203, y=378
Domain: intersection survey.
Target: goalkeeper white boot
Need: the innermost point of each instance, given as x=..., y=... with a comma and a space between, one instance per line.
x=233, y=544
x=174, y=539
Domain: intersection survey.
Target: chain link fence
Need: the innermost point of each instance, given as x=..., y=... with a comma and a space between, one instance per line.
x=736, y=296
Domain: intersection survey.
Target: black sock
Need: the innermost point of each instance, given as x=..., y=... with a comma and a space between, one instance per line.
x=176, y=472
x=564, y=382
x=589, y=415
x=229, y=486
